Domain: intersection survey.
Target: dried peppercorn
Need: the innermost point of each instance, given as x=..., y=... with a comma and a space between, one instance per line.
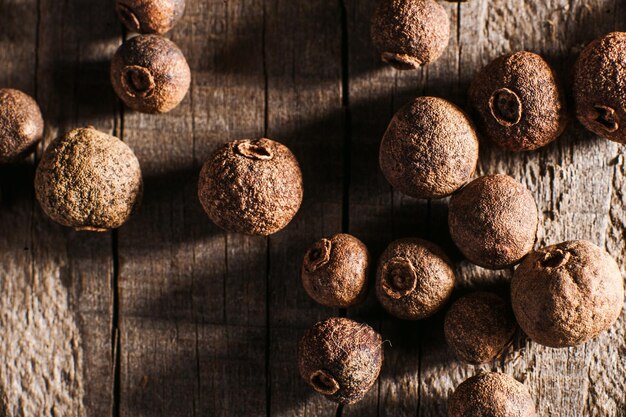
x=566, y=294
x=599, y=85
x=340, y=359
x=491, y=394
x=410, y=33
x=89, y=180
x=150, y=74
x=493, y=221
x=150, y=16
x=414, y=279
x=251, y=186
x=430, y=149
x=518, y=102
x=21, y=124
x=335, y=271
x=479, y=326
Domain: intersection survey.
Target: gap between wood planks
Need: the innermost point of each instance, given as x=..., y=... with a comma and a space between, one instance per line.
x=115, y=329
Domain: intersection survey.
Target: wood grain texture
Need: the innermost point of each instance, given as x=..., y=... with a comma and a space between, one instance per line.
x=56, y=305
x=170, y=316
x=304, y=111
x=193, y=298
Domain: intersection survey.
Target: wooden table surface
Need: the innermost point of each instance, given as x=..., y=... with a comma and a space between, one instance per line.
x=169, y=316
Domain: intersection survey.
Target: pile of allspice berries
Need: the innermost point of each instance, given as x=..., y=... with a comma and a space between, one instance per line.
x=561, y=295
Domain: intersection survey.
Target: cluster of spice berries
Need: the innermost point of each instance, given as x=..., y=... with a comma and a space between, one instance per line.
x=560, y=296
x=89, y=180
x=149, y=73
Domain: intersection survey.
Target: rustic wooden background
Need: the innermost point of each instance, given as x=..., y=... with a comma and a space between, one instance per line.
x=170, y=316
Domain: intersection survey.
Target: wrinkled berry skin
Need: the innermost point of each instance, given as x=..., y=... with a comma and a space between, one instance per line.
x=414, y=279
x=429, y=150
x=410, y=33
x=150, y=16
x=149, y=74
x=491, y=394
x=89, y=180
x=600, y=87
x=341, y=359
x=335, y=271
x=251, y=186
x=566, y=294
x=479, y=326
x=21, y=125
x=518, y=102
x=493, y=221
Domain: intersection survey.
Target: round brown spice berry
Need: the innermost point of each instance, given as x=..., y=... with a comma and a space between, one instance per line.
x=600, y=87
x=414, y=279
x=21, y=124
x=493, y=221
x=566, y=294
x=89, y=180
x=430, y=149
x=335, y=271
x=251, y=186
x=341, y=359
x=518, y=102
x=479, y=326
x=150, y=74
x=150, y=16
x=491, y=394
x=410, y=33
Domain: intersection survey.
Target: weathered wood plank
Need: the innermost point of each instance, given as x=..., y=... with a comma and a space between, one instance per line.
x=303, y=64
x=56, y=307
x=378, y=213
x=192, y=298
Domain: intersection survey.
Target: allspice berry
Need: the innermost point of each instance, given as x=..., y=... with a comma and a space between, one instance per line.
x=21, y=124
x=599, y=85
x=493, y=221
x=89, y=180
x=491, y=394
x=479, y=326
x=566, y=294
x=430, y=149
x=414, y=279
x=251, y=186
x=150, y=16
x=150, y=74
x=335, y=271
x=410, y=33
x=518, y=102
x=341, y=359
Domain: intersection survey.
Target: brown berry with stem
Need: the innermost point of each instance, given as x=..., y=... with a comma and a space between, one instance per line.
x=149, y=74
x=410, y=33
x=335, y=271
x=567, y=294
x=479, y=326
x=518, y=102
x=491, y=394
x=430, y=149
x=493, y=221
x=21, y=124
x=251, y=186
x=150, y=16
x=414, y=279
x=600, y=87
x=89, y=180
x=340, y=359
